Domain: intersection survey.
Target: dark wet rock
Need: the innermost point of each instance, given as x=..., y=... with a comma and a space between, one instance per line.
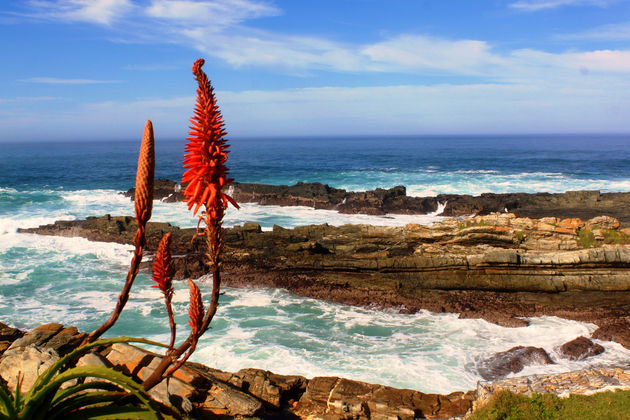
x=513, y=360
x=7, y=336
x=580, y=348
x=571, y=204
x=163, y=190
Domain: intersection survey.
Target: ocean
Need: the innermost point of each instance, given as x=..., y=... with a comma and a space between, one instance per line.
x=76, y=282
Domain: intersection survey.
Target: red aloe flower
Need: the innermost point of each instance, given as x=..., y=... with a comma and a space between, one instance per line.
x=206, y=152
x=163, y=267
x=195, y=311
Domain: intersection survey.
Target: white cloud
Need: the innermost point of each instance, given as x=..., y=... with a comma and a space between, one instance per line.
x=608, y=61
x=535, y=5
x=214, y=14
x=60, y=81
x=104, y=12
x=417, y=53
x=290, y=53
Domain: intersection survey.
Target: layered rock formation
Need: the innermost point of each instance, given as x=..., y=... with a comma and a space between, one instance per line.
x=571, y=204
x=498, y=267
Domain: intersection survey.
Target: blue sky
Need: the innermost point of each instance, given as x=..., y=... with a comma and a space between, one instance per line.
x=97, y=69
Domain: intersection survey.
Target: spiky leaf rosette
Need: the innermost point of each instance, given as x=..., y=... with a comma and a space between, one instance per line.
x=163, y=267
x=206, y=153
x=144, y=176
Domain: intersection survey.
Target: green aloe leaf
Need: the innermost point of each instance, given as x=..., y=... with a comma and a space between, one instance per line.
x=83, y=401
x=113, y=412
x=58, y=366
x=103, y=385
x=42, y=396
x=7, y=409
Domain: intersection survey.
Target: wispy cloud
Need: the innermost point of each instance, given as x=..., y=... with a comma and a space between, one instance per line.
x=611, y=32
x=103, y=12
x=535, y=5
x=28, y=99
x=59, y=81
x=221, y=13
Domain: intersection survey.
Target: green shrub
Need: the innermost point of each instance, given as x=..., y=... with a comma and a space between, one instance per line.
x=601, y=406
x=614, y=237
x=586, y=238
x=469, y=223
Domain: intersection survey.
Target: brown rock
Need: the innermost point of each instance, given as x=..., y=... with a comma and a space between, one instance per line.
x=38, y=336
x=223, y=399
x=66, y=340
x=513, y=360
x=128, y=359
x=272, y=389
x=580, y=349
x=338, y=398
x=617, y=330
x=9, y=333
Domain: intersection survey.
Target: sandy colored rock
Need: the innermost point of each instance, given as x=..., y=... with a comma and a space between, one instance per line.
x=26, y=361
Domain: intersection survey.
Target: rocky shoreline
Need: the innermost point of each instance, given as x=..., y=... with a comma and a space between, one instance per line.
x=571, y=204
x=203, y=392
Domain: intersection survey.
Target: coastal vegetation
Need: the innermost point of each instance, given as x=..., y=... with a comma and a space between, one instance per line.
x=610, y=405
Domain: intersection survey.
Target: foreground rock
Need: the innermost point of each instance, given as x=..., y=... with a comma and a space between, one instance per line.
x=202, y=392
x=513, y=360
x=498, y=267
x=572, y=204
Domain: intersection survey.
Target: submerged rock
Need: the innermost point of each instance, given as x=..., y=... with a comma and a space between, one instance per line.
x=513, y=360
x=580, y=349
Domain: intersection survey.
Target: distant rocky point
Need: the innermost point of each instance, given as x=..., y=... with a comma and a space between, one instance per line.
x=571, y=204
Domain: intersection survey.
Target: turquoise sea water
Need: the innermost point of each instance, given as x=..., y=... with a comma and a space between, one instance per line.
x=74, y=281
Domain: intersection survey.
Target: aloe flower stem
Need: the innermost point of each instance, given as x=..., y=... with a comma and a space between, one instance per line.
x=143, y=205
